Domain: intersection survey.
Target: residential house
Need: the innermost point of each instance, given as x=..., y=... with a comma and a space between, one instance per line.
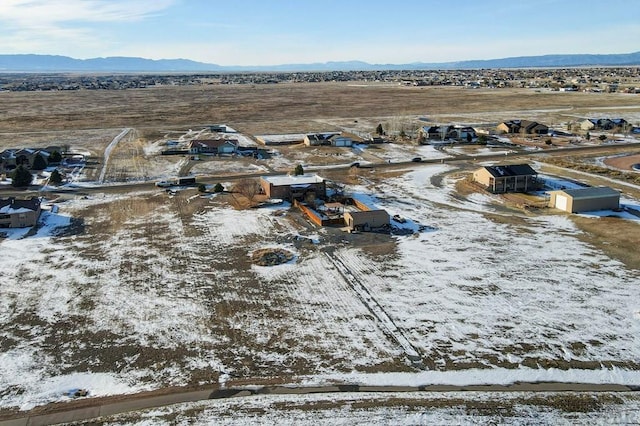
x=10, y=158
x=291, y=187
x=507, y=178
x=525, y=127
x=603, y=123
x=7, y=160
x=341, y=141
x=213, y=146
x=317, y=139
x=438, y=133
x=446, y=132
x=19, y=213
x=585, y=199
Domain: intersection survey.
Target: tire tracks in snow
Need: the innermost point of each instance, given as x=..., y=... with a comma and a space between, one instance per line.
x=385, y=321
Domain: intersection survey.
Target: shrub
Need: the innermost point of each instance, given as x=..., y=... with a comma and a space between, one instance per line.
x=55, y=178
x=55, y=157
x=21, y=177
x=39, y=162
x=218, y=188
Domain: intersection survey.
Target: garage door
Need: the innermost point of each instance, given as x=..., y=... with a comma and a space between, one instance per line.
x=561, y=202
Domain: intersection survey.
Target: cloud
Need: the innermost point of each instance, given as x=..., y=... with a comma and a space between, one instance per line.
x=28, y=13
x=52, y=26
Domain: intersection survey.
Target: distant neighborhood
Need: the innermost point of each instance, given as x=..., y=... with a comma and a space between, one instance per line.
x=596, y=79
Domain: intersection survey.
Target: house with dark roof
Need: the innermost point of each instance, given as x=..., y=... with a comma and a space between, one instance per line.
x=213, y=146
x=507, y=178
x=603, y=123
x=429, y=134
x=525, y=127
x=10, y=158
x=317, y=139
x=19, y=213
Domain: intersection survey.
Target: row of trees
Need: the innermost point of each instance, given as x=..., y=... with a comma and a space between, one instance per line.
x=22, y=177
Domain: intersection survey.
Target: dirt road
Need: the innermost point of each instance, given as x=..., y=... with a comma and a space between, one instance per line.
x=94, y=408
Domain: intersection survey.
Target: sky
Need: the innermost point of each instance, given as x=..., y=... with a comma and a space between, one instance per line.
x=272, y=32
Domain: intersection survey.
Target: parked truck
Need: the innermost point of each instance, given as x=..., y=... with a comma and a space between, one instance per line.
x=185, y=180
x=179, y=181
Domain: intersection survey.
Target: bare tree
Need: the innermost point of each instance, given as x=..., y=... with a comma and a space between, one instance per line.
x=247, y=187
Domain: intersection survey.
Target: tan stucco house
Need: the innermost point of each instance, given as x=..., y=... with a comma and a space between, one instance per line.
x=526, y=127
x=19, y=213
x=294, y=187
x=507, y=178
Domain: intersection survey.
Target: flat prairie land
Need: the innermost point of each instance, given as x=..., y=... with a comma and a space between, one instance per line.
x=123, y=291
x=282, y=108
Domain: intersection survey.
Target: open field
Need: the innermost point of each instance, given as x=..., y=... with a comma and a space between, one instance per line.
x=294, y=108
x=441, y=408
x=167, y=285
x=122, y=291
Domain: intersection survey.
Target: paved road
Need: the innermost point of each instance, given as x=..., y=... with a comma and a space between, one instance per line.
x=209, y=179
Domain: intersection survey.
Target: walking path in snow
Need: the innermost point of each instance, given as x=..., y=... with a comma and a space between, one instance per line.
x=107, y=153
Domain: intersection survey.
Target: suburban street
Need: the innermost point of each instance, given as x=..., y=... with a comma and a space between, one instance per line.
x=214, y=178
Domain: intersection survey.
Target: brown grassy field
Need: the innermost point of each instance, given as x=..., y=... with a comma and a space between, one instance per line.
x=259, y=109
x=139, y=254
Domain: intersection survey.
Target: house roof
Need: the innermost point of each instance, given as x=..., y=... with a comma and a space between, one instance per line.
x=591, y=192
x=11, y=205
x=511, y=170
x=285, y=180
x=321, y=136
x=339, y=136
x=527, y=124
x=362, y=215
x=211, y=143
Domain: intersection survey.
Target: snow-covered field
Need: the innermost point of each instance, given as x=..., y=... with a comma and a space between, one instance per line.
x=149, y=291
x=442, y=408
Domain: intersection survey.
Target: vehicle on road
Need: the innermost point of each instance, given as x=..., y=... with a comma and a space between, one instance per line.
x=163, y=184
x=185, y=180
x=417, y=159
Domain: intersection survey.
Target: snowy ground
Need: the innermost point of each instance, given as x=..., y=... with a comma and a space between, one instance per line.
x=148, y=291
x=459, y=408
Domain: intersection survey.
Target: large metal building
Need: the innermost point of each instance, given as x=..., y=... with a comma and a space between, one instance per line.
x=585, y=199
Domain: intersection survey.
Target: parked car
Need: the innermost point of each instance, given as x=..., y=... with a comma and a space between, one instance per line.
x=399, y=218
x=416, y=159
x=163, y=184
x=355, y=164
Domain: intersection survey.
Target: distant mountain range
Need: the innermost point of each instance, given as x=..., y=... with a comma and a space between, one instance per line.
x=54, y=63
